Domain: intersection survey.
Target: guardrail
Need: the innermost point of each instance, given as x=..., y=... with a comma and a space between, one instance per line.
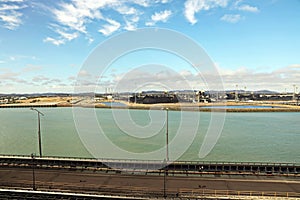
x=152, y=166
x=229, y=193
x=150, y=161
x=143, y=192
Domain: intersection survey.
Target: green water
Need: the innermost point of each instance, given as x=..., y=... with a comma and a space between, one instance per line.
x=247, y=137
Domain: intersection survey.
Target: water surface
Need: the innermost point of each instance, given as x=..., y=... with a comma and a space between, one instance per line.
x=240, y=107
x=247, y=137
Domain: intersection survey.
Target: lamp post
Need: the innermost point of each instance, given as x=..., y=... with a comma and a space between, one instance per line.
x=167, y=135
x=167, y=152
x=39, y=129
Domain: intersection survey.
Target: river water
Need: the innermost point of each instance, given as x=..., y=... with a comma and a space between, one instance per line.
x=245, y=137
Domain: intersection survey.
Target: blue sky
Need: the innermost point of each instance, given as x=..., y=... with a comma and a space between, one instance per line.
x=254, y=43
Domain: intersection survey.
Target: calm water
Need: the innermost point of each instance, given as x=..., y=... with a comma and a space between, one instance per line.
x=266, y=137
x=241, y=106
x=116, y=104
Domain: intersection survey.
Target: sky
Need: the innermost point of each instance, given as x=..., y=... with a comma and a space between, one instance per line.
x=253, y=44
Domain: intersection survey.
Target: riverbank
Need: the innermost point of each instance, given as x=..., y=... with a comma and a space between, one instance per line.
x=270, y=106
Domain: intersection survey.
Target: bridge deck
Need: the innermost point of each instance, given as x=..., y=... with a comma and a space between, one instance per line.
x=91, y=182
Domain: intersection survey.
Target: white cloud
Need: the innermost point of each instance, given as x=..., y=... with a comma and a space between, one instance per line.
x=248, y=8
x=75, y=16
x=159, y=16
x=10, y=14
x=125, y=10
x=131, y=24
x=231, y=18
x=276, y=80
x=194, y=6
x=90, y=39
x=17, y=57
x=84, y=73
x=68, y=36
x=56, y=42
x=245, y=7
x=108, y=29
x=144, y=3
x=72, y=17
x=294, y=66
x=63, y=37
x=9, y=76
x=164, y=1
x=11, y=1
x=78, y=13
x=150, y=23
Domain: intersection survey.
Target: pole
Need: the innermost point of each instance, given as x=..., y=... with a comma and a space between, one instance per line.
x=165, y=182
x=39, y=135
x=167, y=136
x=167, y=154
x=33, y=173
x=39, y=130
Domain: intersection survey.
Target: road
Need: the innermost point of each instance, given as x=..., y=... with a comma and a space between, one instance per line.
x=101, y=182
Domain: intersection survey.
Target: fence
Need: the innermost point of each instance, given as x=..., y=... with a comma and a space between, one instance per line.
x=143, y=192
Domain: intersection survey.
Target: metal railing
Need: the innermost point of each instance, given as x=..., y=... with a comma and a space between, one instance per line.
x=218, y=193
x=150, y=167
x=153, y=161
x=145, y=192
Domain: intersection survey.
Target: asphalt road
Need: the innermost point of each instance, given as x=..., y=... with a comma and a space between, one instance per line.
x=101, y=182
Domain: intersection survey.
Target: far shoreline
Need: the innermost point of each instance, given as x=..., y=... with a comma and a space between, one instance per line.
x=200, y=107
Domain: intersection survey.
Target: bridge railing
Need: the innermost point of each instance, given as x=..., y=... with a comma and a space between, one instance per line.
x=153, y=161
x=130, y=191
x=207, y=192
